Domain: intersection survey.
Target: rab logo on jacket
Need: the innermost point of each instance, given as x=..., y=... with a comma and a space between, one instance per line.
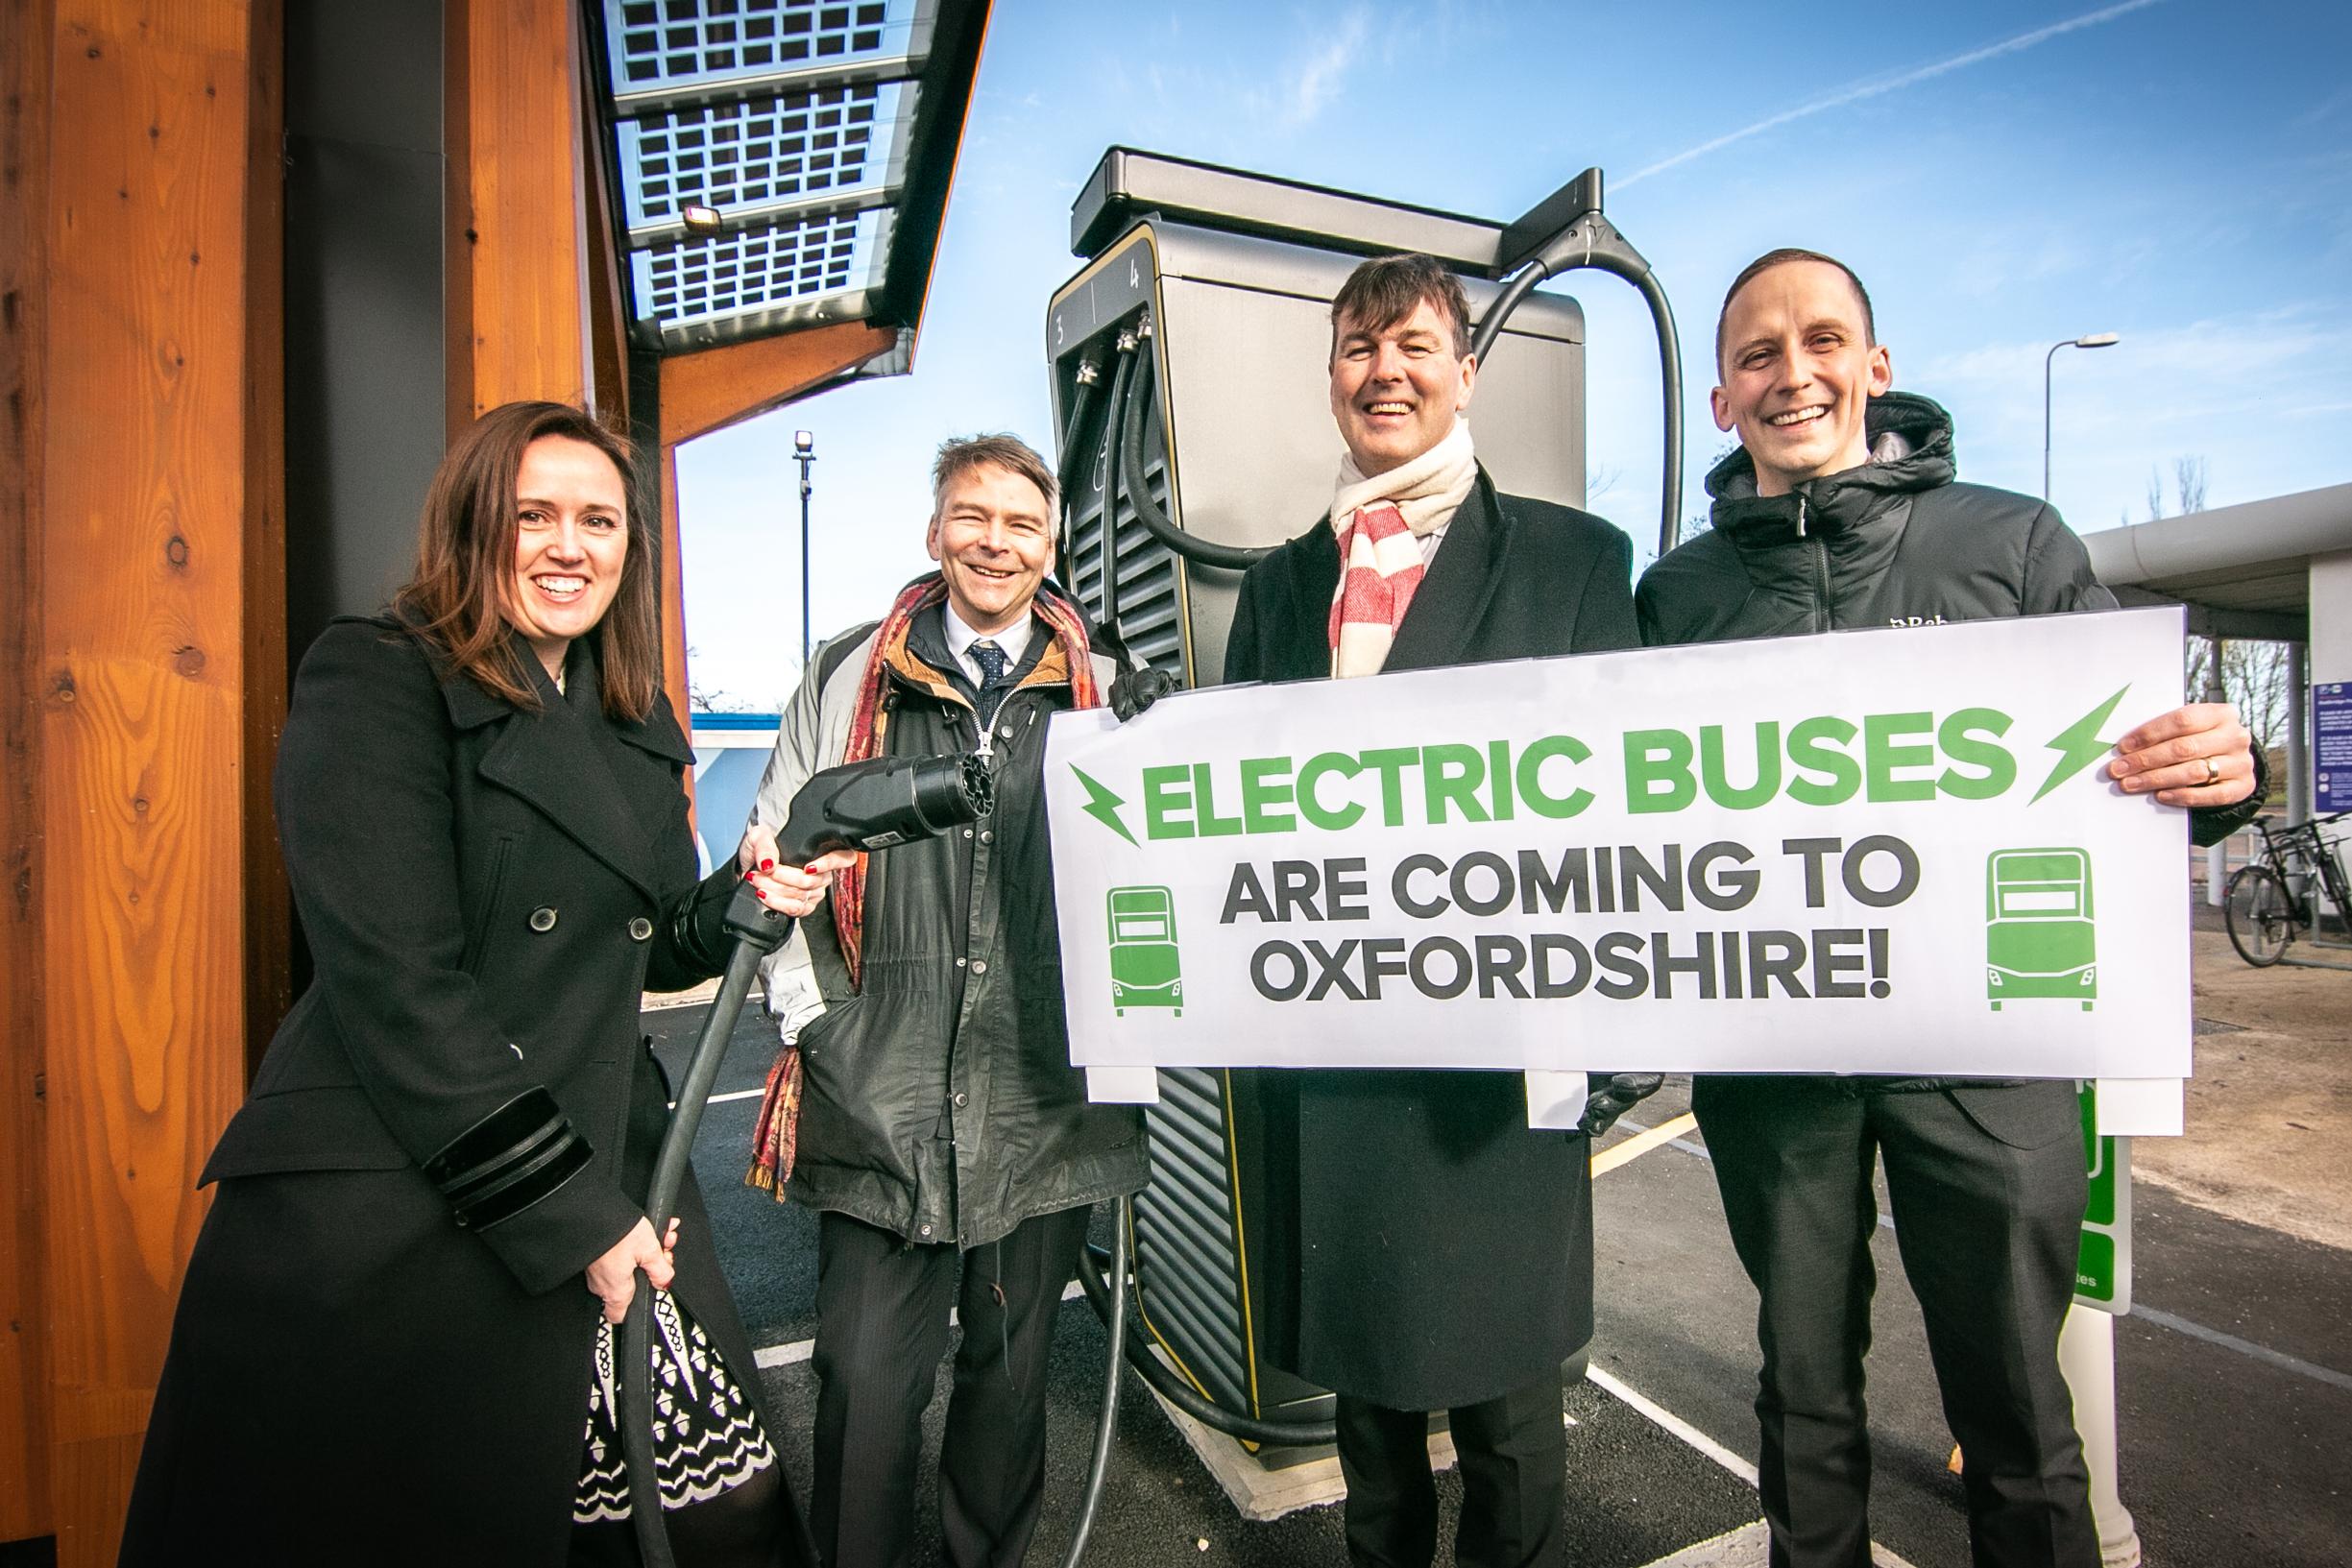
x=1916, y=621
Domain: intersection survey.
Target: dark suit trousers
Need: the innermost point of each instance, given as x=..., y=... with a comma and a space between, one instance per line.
x=882, y=1326
x=1988, y=1208
x=1514, y=1451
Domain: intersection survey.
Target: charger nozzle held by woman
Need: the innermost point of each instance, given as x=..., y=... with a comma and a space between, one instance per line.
x=383, y=1352
x=851, y=808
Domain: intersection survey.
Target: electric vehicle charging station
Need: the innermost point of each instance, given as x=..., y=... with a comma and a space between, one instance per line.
x=1187, y=362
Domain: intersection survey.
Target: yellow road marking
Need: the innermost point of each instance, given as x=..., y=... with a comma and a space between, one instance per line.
x=1641, y=1142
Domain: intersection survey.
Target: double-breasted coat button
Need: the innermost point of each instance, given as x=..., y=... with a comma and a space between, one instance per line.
x=641, y=930
x=543, y=918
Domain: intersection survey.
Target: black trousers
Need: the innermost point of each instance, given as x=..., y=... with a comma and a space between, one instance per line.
x=1987, y=1185
x=1514, y=1451
x=882, y=1326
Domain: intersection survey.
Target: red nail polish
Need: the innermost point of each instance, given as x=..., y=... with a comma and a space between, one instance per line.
x=762, y=896
x=747, y=876
x=767, y=865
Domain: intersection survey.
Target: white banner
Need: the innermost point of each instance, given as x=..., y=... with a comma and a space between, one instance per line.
x=1889, y=850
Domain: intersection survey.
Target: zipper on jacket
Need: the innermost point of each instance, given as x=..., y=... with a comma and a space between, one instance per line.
x=1822, y=620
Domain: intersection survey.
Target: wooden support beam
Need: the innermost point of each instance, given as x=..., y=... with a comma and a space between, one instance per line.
x=527, y=285
x=712, y=388
x=269, y=901
x=154, y=690
x=24, y=185
x=673, y=603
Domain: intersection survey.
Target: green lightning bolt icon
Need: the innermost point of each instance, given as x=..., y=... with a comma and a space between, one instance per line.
x=2078, y=745
x=1104, y=807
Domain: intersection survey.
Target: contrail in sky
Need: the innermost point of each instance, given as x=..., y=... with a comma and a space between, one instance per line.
x=1855, y=95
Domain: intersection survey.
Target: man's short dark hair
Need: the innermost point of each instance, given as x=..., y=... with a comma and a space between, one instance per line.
x=1387, y=289
x=962, y=454
x=1780, y=258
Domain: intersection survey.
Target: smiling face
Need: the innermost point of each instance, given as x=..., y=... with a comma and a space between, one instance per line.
x=1799, y=371
x=992, y=536
x=572, y=541
x=1395, y=390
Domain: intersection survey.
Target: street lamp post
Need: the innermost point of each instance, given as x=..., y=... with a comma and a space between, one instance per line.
x=804, y=451
x=2096, y=339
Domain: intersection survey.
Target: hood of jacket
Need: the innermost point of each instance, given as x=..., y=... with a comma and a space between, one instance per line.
x=1829, y=540
x=1910, y=450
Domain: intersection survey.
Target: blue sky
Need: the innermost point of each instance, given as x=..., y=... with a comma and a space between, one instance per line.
x=2001, y=175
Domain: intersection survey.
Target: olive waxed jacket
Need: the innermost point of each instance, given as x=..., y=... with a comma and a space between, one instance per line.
x=938, y=1101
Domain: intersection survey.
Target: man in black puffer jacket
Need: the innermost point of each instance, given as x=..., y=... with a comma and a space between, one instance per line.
x=1839, y=511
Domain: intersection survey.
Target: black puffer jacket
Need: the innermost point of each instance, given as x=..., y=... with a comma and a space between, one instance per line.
x=1894, y=543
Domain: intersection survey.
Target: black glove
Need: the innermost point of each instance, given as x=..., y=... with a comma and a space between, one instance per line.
x=1611, y=1096
x=1134, y=691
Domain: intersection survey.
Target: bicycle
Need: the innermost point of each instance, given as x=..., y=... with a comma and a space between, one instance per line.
x=2270, y=901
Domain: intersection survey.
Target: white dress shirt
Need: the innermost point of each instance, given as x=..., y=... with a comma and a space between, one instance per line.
x=1013, y=640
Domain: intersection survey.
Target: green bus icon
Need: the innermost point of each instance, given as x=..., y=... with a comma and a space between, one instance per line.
x=2039, y=938
x=1144, y=968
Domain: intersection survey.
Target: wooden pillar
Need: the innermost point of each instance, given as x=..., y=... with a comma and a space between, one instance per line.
x=673, y=601
x=528, y=284
x=152, y=591
x=24, y=182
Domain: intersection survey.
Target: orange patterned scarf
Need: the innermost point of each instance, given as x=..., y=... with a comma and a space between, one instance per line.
x=775, y=1139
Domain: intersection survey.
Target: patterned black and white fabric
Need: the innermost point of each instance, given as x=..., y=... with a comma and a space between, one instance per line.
x=707, y=1438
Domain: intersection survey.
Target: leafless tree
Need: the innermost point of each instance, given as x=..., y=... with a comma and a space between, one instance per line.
x=2252, y=675
x=2189, y=484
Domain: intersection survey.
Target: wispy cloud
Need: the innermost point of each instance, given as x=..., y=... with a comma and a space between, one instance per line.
x=2229, y=358
x=1874, y=89
x=1309, y=87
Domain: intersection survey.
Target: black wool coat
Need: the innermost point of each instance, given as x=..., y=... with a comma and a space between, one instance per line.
x=354, y=1375
x=1446, y=1248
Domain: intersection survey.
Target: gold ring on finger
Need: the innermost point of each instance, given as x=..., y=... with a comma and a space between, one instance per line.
x=2213, y=770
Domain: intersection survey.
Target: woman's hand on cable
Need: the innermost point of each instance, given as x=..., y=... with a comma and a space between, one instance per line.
x=2195, y=756
x=612, y=1279
x=793, y=889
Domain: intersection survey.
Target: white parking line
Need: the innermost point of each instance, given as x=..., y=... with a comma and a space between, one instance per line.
x=1665, y=1418
x=732, y=1093
x=2146, y=1313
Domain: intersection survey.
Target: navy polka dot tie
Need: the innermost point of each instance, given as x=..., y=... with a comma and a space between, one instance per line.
x=991, y=662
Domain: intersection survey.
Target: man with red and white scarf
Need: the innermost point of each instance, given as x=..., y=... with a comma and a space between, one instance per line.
x=924, y=1102
x=1446, y=1248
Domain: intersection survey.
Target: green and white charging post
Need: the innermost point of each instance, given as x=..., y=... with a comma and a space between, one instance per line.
x=2086, y=1345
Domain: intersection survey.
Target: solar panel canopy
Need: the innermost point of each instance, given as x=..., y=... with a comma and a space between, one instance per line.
x=768, y=154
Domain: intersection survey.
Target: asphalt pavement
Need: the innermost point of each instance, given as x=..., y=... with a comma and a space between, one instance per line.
x=2235, y=1377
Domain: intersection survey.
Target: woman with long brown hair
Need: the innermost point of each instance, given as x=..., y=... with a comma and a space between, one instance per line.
x=383, y=1352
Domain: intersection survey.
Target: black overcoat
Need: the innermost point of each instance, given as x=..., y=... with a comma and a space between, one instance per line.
x=354, y=1377
x=1446, y=1248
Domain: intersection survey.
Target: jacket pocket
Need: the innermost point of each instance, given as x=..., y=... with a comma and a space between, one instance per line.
x=486, y=908
x=2033, y=1115
x=824, y=1023
x=329, y=1128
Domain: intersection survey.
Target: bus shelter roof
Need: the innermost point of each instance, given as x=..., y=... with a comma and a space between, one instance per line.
x=2244, y=571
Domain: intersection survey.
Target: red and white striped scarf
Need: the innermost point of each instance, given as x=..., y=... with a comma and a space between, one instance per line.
x=1381, y=522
